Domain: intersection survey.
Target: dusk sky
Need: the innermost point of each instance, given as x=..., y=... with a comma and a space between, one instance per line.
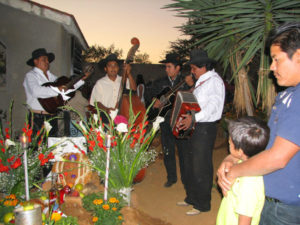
x=106, y=22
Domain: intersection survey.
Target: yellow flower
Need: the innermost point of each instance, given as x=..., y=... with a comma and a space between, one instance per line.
x=98, y=201
x=120, y=217
x=113, y=200
x=55, y=216
x=95, y=219
x=114, y=209
x=105, y=207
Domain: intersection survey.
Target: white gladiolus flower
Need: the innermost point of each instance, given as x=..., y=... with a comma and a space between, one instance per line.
x=99, y=129
x=113, y=114
x=157, y=121
x=9, y=142
x=47, y=126
x=95, y=116
x=122, y=127
x=82, y=126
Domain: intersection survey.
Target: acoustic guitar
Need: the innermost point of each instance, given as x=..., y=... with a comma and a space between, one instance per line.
x=167, y=98
x=52, y=104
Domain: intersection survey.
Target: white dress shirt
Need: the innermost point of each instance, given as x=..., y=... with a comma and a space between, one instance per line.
x=210, y=94
x=33, y=87
x=106, y=91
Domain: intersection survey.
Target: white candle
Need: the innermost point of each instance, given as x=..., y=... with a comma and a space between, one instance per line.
x=107, y=167
x=24, y=144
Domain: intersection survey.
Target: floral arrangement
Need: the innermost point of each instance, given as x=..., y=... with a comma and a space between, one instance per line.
x=105, y=213
x=11, y=157
x=129, y=149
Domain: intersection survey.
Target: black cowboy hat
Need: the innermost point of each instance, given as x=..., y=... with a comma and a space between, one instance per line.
x=199, y=58
x=172, y=58
x=111, y=57
x=40, y=52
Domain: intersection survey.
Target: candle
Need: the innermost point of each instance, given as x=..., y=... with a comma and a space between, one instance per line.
x=24, y=141
x=24, y=145
x=107, y=140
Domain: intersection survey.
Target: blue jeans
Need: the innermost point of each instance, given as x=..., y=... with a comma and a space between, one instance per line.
x=276, y=213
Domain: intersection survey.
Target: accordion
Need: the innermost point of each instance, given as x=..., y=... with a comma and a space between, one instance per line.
x=185, y=103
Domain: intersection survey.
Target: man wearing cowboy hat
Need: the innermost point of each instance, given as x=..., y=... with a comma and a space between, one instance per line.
x=209, y=91
x=106, y=91
x=173, y=65
x=34, y=79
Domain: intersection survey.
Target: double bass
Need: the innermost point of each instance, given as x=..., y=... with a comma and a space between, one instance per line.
x=125, y=98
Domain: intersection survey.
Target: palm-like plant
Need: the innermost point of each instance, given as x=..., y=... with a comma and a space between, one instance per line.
x=234, y=32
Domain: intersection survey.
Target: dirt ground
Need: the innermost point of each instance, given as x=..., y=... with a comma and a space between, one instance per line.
x=151, y=198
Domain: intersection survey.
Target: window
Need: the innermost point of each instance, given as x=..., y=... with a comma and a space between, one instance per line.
x=76, y=57
x=2, y=65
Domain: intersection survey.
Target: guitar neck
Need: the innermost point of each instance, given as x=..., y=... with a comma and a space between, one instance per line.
x=176, y=88
x=74, y=81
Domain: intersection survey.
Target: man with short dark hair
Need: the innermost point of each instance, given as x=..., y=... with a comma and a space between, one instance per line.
x=173, y=65
x=106, y=92
x=280, y=163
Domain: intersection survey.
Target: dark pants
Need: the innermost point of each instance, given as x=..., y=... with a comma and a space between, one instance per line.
x=198, y=166
x=38, y=122
x=168, y=141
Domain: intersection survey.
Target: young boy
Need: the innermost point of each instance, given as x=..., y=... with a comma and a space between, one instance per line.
x=244, y=202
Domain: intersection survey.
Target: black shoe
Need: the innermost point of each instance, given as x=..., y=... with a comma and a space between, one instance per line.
x=169, y=183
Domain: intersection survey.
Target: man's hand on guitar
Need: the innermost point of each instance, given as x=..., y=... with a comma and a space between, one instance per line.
x=185, y=123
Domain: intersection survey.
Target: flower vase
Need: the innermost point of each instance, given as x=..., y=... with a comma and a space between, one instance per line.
x=126, y=194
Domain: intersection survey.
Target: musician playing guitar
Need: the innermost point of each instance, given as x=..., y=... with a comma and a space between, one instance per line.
x=173, y=65
x=34, y=89
x=106, y=91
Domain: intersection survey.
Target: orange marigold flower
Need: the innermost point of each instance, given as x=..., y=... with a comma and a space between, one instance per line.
x=105, y=207
x=95, y=219
x=114, y=209
x=112, y=200
x=98, y=201
x=55, y=216
x=120, y=217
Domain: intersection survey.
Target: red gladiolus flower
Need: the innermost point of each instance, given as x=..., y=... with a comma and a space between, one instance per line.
x=50, y=156
x=41, y=156
x=1, y=142
x=10, y=159
x=3, y=150
x=4, y=168
x=16, y=164
x=44, y=161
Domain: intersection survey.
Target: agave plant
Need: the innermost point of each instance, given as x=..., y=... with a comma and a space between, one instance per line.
x=234, y=32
